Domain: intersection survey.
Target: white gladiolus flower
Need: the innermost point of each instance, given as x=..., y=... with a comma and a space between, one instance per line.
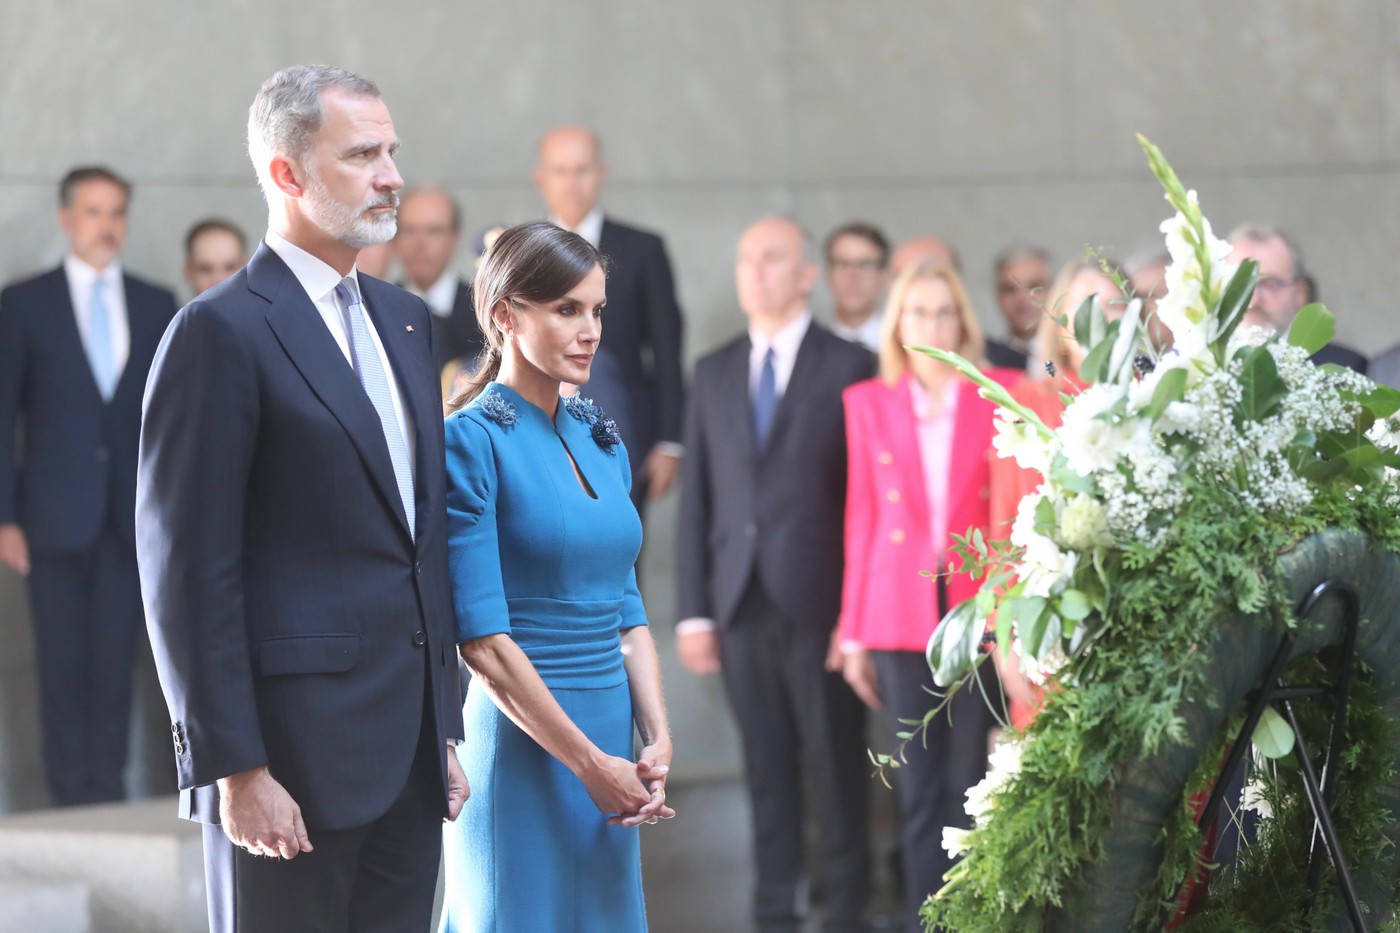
x=1090, y=441
x=955, y=840
x=1019, y=440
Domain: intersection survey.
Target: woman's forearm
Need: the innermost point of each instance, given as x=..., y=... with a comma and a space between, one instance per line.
x=512, y=682
x=644, y=677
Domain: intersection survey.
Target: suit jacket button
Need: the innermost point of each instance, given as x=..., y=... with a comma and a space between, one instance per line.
x=886, y=458
x=892, y=495
x=897, y=536
x=103, y=455
x=419, y=639
x=418, y=568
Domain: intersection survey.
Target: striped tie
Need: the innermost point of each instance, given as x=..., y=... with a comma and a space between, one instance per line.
x=365, y=358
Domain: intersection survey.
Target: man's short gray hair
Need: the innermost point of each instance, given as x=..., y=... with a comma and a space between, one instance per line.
x=1257, y=233
x=287, y=112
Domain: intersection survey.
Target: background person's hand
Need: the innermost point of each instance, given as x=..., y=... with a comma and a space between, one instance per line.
x=260, y=816
x=458, y=790
x=660, y=469
x=699, y=651
x=14, y=549
x=859, y=670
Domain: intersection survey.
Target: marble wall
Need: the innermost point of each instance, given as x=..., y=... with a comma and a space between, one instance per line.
x=983, y=122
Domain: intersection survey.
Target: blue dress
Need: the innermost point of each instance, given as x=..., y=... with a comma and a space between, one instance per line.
x=535, y=556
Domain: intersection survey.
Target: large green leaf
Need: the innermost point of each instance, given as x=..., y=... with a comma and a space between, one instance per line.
x=1095, y=365
x=1170, y=388
x=954, y=647
x=1089, y=323
x=1235, y=302
x=1273, y=736
x=1074, y=605
x=1312, y=328
x=1261, y=387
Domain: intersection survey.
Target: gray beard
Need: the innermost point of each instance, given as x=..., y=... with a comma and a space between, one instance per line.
x=349, y=225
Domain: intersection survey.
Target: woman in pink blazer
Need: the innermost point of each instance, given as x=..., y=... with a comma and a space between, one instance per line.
x=918, y=445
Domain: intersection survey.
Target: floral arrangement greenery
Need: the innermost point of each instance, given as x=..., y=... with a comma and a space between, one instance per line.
x=1172, y=487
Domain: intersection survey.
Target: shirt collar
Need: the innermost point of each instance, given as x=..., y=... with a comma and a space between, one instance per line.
x=83, y=276
x=786, y=341
x=317, y=278
x=922, y=398
x=590, y=227
x=441, y=295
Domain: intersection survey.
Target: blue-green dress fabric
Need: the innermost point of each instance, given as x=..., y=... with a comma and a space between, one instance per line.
x=535, y=556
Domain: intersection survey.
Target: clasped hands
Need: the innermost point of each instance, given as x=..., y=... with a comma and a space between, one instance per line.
x=629, y=793
x=259, y=816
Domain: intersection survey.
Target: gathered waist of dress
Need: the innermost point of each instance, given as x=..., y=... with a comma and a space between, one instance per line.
x=572, y=643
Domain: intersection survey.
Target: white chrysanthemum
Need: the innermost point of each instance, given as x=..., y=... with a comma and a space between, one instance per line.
x=1019, y=440
x=1385, y=433
x=1084, y=524
x=1003, y=764
x=955, y=840
x=1042, y=562
x=1091, y=441
x=1253, y=799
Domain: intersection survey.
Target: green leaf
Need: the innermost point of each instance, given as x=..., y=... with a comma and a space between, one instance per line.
x=991, y=390
x=953, y=649
x=1261, y=388
x=1089, y=323
x=1273, y=736
x=1095, y=365
x=1312, y=328
x=1170, y=388
x=1074, y=605
x=1045, y=516
x=1383, y=401
x=1067, y=479
x=1235, y=302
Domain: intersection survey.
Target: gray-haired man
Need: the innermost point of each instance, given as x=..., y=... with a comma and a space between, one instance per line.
x=291, y=533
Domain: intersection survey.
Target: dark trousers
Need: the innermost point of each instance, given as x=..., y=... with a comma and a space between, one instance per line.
x=801, y=727
x=931, y=787
x=87, y=615
x=378, y=878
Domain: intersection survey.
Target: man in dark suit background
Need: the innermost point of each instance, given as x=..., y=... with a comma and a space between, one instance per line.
x=759, y=572
x=1283, y=287
x=1021, y=276
x=291, y=529
x=636, y=376
x=430, y=231
x=75, y=346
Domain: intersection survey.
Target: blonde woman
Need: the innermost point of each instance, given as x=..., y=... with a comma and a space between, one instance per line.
x=918, y=439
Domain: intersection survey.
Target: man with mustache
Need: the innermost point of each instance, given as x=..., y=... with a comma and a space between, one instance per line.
x=75, y=346
x=291, y=528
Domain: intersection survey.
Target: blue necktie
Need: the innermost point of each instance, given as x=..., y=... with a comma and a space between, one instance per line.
x=365, y=358
x=99, y=343
x=765, y=402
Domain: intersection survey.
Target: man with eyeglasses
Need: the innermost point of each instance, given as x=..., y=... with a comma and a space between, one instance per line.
x=857, y=263
x=1282, y=288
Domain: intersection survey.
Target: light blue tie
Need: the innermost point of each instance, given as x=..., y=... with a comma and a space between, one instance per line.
x=765, y=402
x=99, y=342
x=365, y=358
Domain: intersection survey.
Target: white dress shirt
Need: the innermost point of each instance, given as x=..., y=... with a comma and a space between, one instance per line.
x=441, y=296
x=319, y=280
x=590, y=227
x=867, y=334
x=81, y=278
x=785, y=344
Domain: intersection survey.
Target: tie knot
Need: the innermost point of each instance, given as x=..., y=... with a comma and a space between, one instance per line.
x=347, y=291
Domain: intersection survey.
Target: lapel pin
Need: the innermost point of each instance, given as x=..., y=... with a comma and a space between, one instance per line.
x=409, y=328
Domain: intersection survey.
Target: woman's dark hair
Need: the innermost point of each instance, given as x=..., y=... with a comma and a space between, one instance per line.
x=535, y=263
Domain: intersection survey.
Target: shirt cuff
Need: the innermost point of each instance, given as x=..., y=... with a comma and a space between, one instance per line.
x=851, y=646
x=695, y=624
x=669, y=448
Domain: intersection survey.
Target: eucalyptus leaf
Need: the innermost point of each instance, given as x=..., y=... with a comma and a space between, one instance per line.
x=1312, y=328
x=1273, y=736
x=1171, y=387
x=1089, y=322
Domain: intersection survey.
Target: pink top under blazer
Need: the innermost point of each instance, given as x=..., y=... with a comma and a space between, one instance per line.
x=886, y=603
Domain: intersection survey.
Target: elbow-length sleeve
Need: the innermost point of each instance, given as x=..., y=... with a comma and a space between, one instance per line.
x=473, y=548
x=633, y=612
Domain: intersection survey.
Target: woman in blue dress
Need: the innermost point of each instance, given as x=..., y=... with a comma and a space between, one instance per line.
x=543, y=539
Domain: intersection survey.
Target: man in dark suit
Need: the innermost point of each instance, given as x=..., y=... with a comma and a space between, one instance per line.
x=75, y=346
x=1022, y=275
x=291, y=530
x=1385, y=368
x=759, y=575
x=430, y=231
x=1282, y=289
x=636, y=376
x=857, y=264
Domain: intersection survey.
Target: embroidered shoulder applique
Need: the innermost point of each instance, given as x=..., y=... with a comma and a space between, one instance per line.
x=601, y=427
x=498, y=409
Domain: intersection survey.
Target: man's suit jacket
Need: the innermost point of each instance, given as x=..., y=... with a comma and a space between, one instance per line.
x=1005, y=356
x=1342, y=356
x=77, y=472
x=636, y=376
x=457, y=335
x=292, y=615
x=1385, y=368
x=779, y=513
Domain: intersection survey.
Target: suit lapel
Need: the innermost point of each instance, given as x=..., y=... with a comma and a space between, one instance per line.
x=65, y=321
x=144, y=338
x=972, y=434
x=736, y=407
x=303, y=335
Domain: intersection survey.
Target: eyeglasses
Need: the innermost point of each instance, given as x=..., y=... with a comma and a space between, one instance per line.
x=943, y=316
x=856, y=265
x=1273, y=284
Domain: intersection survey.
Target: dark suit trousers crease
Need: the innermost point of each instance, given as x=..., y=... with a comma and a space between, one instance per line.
x=379, y=878
x=801, y=727
x=86, y=607
x=931, y=786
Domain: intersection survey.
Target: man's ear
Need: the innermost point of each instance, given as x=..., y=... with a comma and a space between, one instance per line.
x=284, y=176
